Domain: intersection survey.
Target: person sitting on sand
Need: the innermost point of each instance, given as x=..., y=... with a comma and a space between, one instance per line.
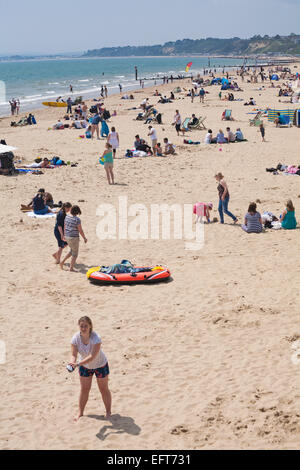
x=239, y=135
x=77, y=123
x=59, y=230
x=287, y=218
x=208, y=137
x=72, y=229
x=158, y=149
x=92, y=360
x=140, y=144
x=230, y=135
x=39, y=206
x=48, y=199
x=251, y=102
x=58, y=125
x=253, y=220
x=279, y=120
x=169, y=147
x=145, y=104
x=221, y=139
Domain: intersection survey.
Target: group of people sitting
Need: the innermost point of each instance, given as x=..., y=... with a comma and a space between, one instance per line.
x=164, y=99
x=229, y=97
x=254, y=221
x=221, y=139
x=155, y=148
x=41, y=204
x=25, y=121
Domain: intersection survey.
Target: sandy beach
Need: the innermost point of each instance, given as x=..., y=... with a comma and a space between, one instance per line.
x=201, y=362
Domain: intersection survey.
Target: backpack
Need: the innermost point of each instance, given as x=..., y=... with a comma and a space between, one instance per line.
x=93, y=109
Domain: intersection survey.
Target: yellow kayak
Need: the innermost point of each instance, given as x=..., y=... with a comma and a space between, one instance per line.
x=55, y=103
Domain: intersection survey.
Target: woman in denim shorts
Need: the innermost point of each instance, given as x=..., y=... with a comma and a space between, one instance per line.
x=92, y=360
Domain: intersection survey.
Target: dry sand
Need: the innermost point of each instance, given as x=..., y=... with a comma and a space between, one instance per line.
x=202, y=362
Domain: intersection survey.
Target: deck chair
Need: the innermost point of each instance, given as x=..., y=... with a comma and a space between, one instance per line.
x=195, y=126
x=227, y=115
x=157, y=120
x=185, y=124
x=256, y=121
x=200, y=124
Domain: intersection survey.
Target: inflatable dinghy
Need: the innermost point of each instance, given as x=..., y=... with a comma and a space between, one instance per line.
x=127, y=274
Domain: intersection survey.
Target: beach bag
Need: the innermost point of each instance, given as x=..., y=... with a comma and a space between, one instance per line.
x=93, y=109
x=106, y=115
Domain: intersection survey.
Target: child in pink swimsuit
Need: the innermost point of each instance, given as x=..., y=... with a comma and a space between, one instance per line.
x=202, y=209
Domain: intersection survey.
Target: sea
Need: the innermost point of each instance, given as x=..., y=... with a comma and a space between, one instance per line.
x=37, y=80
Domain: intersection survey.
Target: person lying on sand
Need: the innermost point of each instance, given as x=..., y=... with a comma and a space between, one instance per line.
x=43, y=164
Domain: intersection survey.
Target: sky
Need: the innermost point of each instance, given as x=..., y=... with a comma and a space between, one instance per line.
x=58, y=26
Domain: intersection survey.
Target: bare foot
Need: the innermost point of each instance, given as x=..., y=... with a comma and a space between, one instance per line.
x=235, y=221
x=78, y=417
x=57, y=261
x=61, y=265
x=108, y=416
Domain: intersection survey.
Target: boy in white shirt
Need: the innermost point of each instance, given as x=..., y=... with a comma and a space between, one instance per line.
x=153, y=137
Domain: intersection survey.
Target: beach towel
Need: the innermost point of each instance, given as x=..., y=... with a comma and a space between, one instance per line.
x=45, y=216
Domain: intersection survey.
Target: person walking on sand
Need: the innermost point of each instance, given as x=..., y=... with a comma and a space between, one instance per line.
x=12, y=106
x=262, y=131
x=223, y=199
x=105, y=91
x=177, y=121
x=120, y=87
x=69, y=103
x=192, y=94
x=59, y=230
x=95, y=125
x=113, y=140
x=92, y=360
x=108, y=161
x=72, y=229
x=17, y=106
x=201, y=95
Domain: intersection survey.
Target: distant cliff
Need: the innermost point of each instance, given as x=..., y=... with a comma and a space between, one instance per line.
x=209, y=46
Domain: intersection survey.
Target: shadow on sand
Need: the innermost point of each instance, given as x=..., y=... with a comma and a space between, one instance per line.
x=118, y=425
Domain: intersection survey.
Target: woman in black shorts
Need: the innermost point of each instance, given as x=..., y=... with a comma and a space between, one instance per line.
x=59, y=230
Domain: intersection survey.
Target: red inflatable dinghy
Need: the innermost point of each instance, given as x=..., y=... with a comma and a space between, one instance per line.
x=147, y=275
